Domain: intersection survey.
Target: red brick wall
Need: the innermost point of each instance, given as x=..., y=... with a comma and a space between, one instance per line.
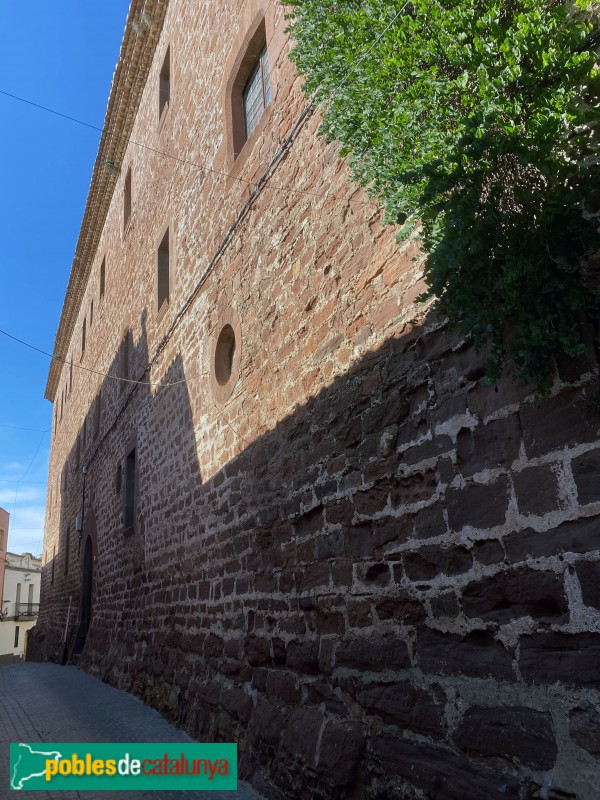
x=368, y=569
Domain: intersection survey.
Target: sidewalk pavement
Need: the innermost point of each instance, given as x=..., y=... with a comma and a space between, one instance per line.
x=50, y=703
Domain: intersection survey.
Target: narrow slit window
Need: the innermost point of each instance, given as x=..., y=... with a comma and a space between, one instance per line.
x=257, y=93
x=163, y=276
x=102, y=277
x=164, y=91
x=127, y=199
x=91, y=313
x=130, y=490
x=67, y=549
x=83, y=335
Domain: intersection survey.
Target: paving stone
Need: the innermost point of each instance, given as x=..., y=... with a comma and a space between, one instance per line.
x=50, y=703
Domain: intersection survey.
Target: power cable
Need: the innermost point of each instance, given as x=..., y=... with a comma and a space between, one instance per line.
x=19, y=428
x=72, y=363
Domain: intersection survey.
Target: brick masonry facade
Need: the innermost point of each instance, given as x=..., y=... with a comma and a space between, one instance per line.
x=375, y=574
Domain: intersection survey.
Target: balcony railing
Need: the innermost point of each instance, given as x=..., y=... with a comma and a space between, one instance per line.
x=26, y=610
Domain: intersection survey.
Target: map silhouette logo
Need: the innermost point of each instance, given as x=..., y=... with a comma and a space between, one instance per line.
x=30, y=763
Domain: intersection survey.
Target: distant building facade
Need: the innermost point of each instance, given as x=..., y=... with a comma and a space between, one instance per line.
x=20, y=603
x=284, y=508
x=4, y=522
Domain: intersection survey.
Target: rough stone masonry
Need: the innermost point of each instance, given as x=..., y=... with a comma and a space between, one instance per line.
x=333, y=545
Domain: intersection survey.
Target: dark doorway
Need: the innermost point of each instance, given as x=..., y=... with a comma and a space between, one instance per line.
x=85, y=611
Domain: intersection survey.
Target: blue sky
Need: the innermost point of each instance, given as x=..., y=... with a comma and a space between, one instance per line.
x=62, y=56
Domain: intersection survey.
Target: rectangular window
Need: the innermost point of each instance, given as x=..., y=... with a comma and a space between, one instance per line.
x=16, y=635
x=83, y=333
x=164, y=92
x=71, y=374
x=91, y=313
x=102, y=277
x=162, y=274
x=53, y=563
x=77, y=452
x=130, y=490
x=257, y=93
x=84, y=434
x=67, y=548
x=127, y=199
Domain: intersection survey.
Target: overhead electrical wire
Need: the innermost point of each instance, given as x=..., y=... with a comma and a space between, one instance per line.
x=71, y=363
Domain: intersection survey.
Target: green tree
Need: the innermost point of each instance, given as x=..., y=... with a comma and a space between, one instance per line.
x=480, y=120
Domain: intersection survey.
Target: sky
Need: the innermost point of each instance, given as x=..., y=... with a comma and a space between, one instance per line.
x=62, y=56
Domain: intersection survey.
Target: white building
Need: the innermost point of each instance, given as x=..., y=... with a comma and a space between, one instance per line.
x=20, y=602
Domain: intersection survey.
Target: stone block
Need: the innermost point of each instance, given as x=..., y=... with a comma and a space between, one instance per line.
x=391, y=530
x=303, y=656
x=517, y=593
x=301, y=734
x=341, y=751
x=478, y=505
x=404, y=705
x=586, y=472
x=376, y=575
x=556, y=422
x=372, y=500
x=581, y=536
x=584, y=728
x=282, y=686
x=429, y=562
x=414, y=488
x=258, y=651
x=512, y=733
x=572, y=658
x=359, y=613
x=439, y=773
x=445, y=606
x=339, y=513
x=432, y=448
x=588, y=573
x=373, y=654
x=429, y=522
x=488, y=551
x=476, y=654
x=536, y=489
x=489, y=446
x=237, y=703
x=402, y=608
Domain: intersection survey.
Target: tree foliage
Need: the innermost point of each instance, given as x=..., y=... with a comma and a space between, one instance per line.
x=480, y=120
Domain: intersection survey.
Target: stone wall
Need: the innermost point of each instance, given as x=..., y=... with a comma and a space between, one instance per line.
x=373, y=572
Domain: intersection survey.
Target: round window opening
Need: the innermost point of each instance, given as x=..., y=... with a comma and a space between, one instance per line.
x=224, y=354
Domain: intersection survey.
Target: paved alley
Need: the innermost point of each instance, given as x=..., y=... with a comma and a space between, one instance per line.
x=51, y=703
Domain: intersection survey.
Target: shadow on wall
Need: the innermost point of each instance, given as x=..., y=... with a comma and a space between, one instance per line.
x=124, y=427
x=367, y=589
